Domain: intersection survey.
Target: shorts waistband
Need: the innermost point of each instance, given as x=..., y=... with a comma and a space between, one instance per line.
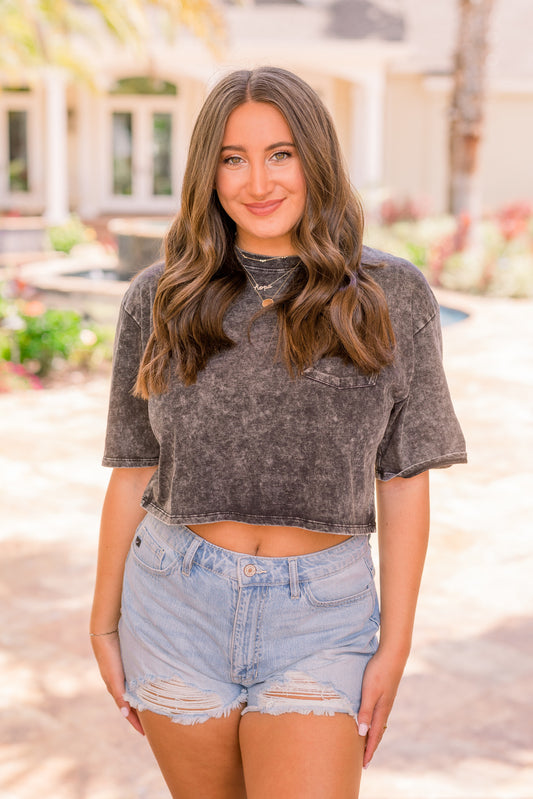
x=255, y=569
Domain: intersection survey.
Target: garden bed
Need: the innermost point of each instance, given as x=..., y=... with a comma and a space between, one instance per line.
x=493, y=257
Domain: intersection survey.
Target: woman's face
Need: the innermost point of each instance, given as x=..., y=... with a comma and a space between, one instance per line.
x=260, y=181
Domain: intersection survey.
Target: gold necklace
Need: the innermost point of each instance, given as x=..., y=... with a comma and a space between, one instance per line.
x=266, y=287
x=264, y=260
x=266, y=301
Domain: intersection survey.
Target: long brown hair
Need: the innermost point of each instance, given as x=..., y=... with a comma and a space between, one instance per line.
x=334, y=308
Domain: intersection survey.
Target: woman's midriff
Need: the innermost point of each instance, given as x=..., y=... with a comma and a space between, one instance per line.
x=264, y=540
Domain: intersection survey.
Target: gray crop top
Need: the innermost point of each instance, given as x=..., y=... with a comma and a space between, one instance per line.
x=249, y=443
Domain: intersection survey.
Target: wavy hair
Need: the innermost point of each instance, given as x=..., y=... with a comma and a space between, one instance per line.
x=334, y=308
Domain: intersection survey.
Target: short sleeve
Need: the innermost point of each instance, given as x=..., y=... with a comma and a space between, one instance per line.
x=423, y=431
x=130, y=440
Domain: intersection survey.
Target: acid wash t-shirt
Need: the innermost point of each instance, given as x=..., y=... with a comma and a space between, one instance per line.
x=248, y=443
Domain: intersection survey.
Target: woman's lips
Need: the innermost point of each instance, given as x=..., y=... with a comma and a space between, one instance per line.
x=263, y=209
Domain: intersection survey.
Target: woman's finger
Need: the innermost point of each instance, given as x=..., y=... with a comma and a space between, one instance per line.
x=375, y=735
x=130, y=714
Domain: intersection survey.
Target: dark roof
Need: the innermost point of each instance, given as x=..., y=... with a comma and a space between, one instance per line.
x=363, y=19
x=428, y=27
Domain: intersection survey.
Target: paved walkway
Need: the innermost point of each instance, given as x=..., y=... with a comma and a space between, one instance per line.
x=463, y=723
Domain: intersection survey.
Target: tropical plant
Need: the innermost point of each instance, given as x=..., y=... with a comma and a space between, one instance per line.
x=467, y=109
x=38, y=33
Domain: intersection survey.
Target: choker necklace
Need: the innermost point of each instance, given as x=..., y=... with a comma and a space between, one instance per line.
x=265, y=260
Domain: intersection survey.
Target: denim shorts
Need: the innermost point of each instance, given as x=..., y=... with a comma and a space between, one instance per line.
x=205, y=630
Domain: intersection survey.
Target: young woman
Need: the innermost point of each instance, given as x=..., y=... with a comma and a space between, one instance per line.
x=264, y=376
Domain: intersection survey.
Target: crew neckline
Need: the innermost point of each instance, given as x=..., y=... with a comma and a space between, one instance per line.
x=252, y=261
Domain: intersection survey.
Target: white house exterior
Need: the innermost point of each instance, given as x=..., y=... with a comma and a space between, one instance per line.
x=383, y=68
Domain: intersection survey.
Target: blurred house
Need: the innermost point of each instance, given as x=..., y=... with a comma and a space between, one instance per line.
x=383, y=67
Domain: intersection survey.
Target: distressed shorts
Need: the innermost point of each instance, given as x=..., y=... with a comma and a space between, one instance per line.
x=205, y=630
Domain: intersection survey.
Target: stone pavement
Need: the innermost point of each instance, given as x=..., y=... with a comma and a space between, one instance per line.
x=462, y=727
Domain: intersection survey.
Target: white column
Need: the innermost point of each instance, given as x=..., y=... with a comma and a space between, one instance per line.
x=56, y=153
x=89, y=155
x=367, y=134
x=435, y=156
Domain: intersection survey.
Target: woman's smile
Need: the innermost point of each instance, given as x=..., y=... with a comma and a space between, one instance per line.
x=263, y=209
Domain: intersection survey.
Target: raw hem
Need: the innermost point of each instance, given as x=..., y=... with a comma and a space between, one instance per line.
x=285, y=521
x=185, y=719
x=279, y=711
x=302, y=711
x=319, y=698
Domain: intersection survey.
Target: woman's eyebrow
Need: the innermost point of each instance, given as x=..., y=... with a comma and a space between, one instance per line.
x=241, y=149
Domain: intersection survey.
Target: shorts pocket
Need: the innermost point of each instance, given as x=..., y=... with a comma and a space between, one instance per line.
x=369, y=563
x=152, y=554
x=352, y=585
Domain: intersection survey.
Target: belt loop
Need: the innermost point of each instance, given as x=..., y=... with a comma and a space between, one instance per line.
x=293, y=578
x=189, y=555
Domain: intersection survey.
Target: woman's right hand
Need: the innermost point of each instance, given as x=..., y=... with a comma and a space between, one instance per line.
x=121, y=515
x=107, y=652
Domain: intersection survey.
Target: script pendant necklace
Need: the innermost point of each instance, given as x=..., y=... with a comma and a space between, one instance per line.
x=266, y=301
x=278, y=282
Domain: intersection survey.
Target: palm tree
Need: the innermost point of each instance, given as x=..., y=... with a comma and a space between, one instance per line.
x=467, y=106
x=45, y=42
x=41, y=33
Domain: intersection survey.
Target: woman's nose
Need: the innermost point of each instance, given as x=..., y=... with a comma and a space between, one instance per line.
x=259, y=183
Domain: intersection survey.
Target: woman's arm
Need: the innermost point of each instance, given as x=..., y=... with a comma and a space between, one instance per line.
x=403, y=527
x=121, y=515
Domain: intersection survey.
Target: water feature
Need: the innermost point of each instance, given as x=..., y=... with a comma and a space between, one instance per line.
x=139, y=242
x=450, y=316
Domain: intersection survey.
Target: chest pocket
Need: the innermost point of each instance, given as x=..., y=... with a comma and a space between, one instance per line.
x=334, y=372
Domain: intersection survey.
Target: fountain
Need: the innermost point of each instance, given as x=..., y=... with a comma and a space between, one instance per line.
x=139, y=242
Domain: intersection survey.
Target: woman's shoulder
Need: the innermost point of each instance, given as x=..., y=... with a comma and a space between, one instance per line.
x=406, y=289
x=140, y=294
x=392, y=267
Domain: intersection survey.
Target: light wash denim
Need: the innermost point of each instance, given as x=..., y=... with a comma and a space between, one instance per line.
x=205, y=630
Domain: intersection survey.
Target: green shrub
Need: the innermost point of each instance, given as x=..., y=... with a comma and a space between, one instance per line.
x=38, y=338
x=52, y=334
x=64, y=237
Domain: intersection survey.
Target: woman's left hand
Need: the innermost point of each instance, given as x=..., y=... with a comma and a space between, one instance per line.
x=380, y=684
x=403, y=525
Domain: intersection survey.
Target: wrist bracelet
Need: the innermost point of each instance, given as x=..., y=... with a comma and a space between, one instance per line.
x=97, y=635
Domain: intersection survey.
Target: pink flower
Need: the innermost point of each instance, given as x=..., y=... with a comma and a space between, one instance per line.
x=33, y=308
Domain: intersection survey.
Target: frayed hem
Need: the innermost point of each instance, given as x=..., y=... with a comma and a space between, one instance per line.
x=279, y=711
x=187, y=719
x=298, y=692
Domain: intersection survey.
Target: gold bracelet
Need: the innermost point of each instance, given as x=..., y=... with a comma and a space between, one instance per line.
x=97, y=635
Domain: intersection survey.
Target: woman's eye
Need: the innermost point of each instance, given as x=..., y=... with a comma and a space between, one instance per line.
x=282, y=155
x=233, y=160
